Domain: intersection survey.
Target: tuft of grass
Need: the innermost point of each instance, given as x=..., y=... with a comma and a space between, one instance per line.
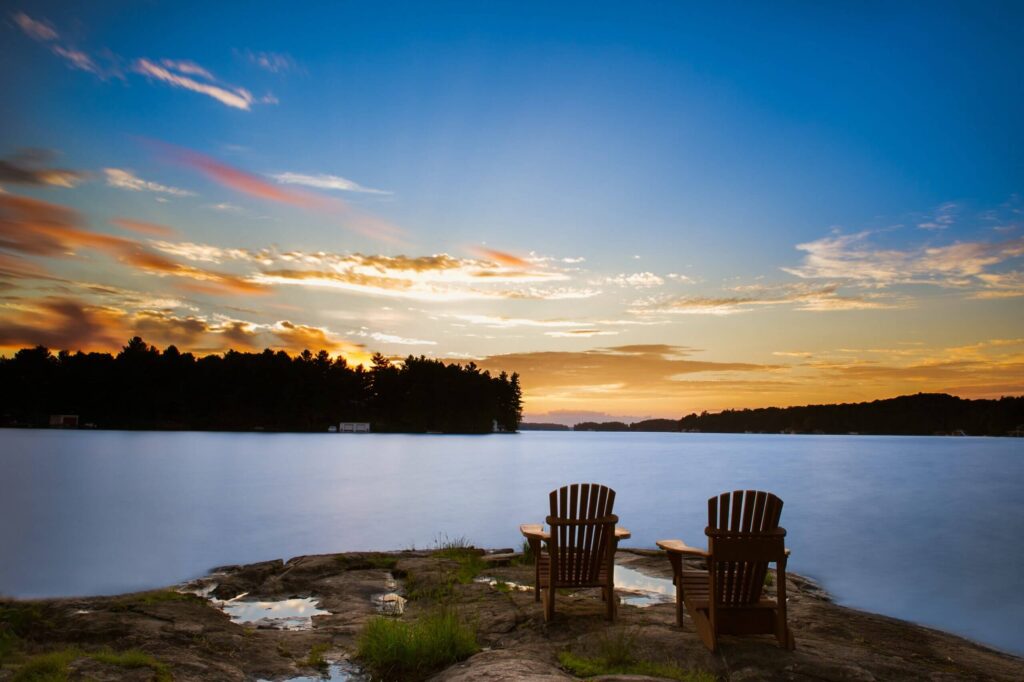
x=49, y=667
x=439, y=585
x=316, y=659
x=18, y=621
x=769, y=579
x=400, y=650
x=443, y=543
x=526, y=558
x=155, y=597
x=582, y=666
x=134, y=658
x=53, y=666
x=430, y=586
x=617, y=656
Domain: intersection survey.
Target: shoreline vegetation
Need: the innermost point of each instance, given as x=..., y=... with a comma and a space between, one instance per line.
x=922, y=414
x=453, y=613
x=144, y=388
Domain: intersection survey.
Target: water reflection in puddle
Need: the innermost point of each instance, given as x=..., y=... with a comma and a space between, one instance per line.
x=632, y=586
x=637, y=589
x=390, y=603
x=342, y=671
x=503, y=585
x=286, y=614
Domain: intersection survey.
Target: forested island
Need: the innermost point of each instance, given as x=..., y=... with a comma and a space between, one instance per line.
x=923, y=414
x=144, y=388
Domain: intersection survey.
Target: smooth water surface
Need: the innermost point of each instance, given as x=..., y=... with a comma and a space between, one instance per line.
x=926, y=529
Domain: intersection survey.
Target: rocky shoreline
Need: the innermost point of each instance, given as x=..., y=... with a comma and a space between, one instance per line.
x=301, y=619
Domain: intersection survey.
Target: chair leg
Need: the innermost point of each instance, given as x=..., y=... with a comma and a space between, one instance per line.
x=783, y=634
x=549, y=604
x=679, y=606
x=610, y=602
x=705, y=630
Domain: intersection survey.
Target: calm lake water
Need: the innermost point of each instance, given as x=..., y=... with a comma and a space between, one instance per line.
x=926, y=529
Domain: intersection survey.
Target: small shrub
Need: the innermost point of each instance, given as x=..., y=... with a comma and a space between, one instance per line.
x=316, y=659
x=769, y=579
x=399, y=650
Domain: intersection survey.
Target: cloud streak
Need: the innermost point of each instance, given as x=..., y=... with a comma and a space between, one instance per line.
x=255, y=186
x=32, y=167
x=39, y=228
x=853, y=257
x=324, y=181
x=190, y=76
x=126, y=179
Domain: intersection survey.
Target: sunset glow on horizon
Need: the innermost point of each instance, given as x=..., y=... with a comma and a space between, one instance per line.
x=643, y=212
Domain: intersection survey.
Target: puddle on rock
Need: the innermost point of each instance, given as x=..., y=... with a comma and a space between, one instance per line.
x=340, y=671
x=637, y=589
x=389, y=603
x=286, y=614
x=503, y=585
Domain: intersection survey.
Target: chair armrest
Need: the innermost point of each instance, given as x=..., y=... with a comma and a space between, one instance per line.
x=534, y=531
x=680, y=547
x=622, y=533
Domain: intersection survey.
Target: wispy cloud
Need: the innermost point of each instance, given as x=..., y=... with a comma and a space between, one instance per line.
x=800, y=296
x=274, y=62
x=502, y=258
x=581, y=333
x=943, y=218
x=636, y=280
x=126, y=179
x=39, y=30
x=392, y=338
x=193, y=77
x=39, y=228
x=143, y=227
x=324, y=181
x=32, y=167
x=43, y=32
x=853, y=257
x=255, y=186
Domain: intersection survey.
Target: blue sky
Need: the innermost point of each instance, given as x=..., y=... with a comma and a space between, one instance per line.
x=647, y=177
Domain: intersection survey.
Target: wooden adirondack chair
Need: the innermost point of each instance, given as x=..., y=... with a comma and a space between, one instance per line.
x=743, y=538
x=581, y=544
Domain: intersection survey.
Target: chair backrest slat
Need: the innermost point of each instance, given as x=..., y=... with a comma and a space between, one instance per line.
x=742, y=528
x=582, y=527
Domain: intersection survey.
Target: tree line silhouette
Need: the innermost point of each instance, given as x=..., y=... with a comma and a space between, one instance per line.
x=144, y=388
x=923, y=414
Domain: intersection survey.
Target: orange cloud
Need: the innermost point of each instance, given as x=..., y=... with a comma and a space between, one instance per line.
x=255, y=186
x=61, y=323
x=40, y=228
x=500, y=257
x=142, y=227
